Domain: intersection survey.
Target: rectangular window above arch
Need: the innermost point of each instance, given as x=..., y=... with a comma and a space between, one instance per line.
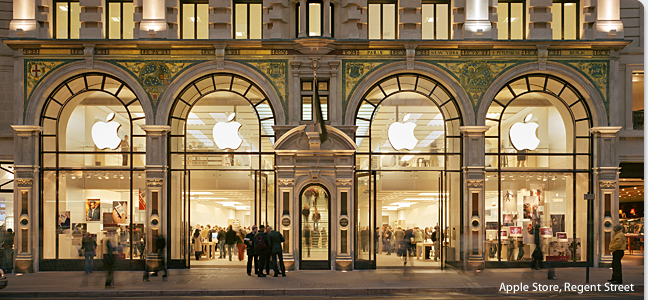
x=315, y=16
x=248, y=20
x=382, y=20
x=511, y=23
x=435, y=20
x=565, y=20
x=119, y=19
x=68, y=24
x=195, y=19
x=307, y=93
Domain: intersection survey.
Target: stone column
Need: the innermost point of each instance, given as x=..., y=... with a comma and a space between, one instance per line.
x=606, y=184
x=301, y=32
x=288, y=218
x=23, y=23
x=478, y=20
x=26, y=198
x=156, y=174
x=326, y=32
x=473, y=170
x=608, y=23
x=154, y=23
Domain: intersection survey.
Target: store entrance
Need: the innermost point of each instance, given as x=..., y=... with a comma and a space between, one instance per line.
x=399, y=217
x=315, y=226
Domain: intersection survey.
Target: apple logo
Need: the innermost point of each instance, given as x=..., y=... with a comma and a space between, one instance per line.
x=226, y=134
x=104, y=134
x=523, y=135
x=401, y=134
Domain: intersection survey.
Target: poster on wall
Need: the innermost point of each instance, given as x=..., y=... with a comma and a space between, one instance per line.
x=142, y=199
x=558, y=223
x=546, y=232
x=510, y=203
x=119, y=215
x=507, y=220
x=93, y=211
x=64, y=222
x=530, y=207
x=79, y=229
x=516, y=231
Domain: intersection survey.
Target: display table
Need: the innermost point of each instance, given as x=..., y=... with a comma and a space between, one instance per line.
x=418, y=250
x=631, y=237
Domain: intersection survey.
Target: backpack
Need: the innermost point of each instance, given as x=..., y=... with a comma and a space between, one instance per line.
x=260, y=242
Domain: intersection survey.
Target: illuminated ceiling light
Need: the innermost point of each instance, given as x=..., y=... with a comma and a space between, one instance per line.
x=139, y=175
x=115, y=176
x=106, y=176
x=73, y=176
x=201, y=193
x=632, y=211
x=121, y=176
x=635, y=187
x=88, y=175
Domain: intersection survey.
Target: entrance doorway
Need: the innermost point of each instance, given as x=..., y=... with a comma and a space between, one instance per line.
x=315, y=228
x=400, y=219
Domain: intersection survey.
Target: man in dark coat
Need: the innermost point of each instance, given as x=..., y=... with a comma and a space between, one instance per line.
x=252, y=257
x=230, y=240
x=263, y=251
x=276, y=238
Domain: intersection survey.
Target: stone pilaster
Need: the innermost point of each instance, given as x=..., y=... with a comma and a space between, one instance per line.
x=608, y=23
x=137, y=17
x=156, y=200
x=458, y=19
x=353, y=19
x=540, y=20
x=92, y=19
x=159, y=19
x=478, y=19
x=24, y=24
x=44, y=18
x=409, y=24
x=220, y=19
x=276, y=19
x=606, y=185
x=474, y=192
x=26, y=198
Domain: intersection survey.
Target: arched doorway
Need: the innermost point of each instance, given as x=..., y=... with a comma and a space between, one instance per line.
x=221, y=166
x=538, y=165
x=408, y=173
x=92, y=154
x=315, y=228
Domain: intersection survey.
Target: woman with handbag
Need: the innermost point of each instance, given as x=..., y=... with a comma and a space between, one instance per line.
x=197, y=241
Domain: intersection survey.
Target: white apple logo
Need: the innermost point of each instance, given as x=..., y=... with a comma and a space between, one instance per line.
x=104, y=134
x=226, y=134
x=523, y=135
x=401, y=135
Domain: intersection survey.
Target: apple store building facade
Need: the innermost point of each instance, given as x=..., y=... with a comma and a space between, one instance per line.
x=476, y=154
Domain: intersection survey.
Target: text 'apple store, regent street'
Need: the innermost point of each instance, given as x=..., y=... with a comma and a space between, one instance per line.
x=363, y=199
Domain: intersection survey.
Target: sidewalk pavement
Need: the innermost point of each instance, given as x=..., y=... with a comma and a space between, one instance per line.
x=235, y=282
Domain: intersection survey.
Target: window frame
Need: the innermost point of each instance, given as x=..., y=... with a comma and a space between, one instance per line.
x=247, y=5
x=434, y=10
x=562, y=17
x=69, y=19
x=382, y=21
x=305, y=93
x=194, y=3
x=298, y=19
x=121, y=17
x=524, y=13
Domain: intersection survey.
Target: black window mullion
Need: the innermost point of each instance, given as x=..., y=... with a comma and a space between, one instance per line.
x=248, y=21
x=195, y=7
x=509, y=20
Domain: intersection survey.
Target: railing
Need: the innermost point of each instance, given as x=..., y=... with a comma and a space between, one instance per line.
x=638, y=120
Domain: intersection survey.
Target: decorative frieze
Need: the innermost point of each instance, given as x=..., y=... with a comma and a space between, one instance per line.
x=343, y=182
x=476, y=184
x=286, y=182
x=607, y=184
x=154, y=182
x=24, y=182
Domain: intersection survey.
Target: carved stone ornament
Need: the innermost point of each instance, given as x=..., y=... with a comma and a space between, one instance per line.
x=88, y=54
x=154, y=182
x=286, y=182
x=24, y=182
x=475, y=183
x=220, y=58
x=343, y=182
x=607, y=184
x=543, y=53
x=410, y=53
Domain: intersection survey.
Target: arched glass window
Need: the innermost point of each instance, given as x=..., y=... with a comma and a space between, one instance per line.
x=538, y=160
x=222, y=160
x=92, y=160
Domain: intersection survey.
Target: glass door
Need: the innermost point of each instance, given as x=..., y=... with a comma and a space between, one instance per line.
x=314, y=221
x=364, y=246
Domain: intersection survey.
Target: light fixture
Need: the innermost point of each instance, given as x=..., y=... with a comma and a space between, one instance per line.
x=106, y=176
x=115, y=176
x=20, y=32
x=88, y=175
x=73, y=176
x=612, y=32
x=480, y=31
x=121, y=176
x=139, y=175
x=151, y=33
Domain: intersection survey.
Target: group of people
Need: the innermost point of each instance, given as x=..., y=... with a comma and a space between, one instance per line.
x=403, y=242
x=263, y=247
x=229, y=241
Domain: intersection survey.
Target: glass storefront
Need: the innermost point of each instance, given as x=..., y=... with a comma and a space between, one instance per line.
x=538, y=167
x=315, y=207
x=93, y=156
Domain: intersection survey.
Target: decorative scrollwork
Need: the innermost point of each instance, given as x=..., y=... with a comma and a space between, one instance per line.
x=475, y=183
x=24, y=182
x=155, y=182
x=343, y=182
x=607, y=184
x=286, y=182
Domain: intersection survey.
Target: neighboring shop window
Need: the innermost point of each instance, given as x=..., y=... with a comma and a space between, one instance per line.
x=435, y=20
x=565, y=19
x=195, y=19
x=92, y=160
x=382, y=21
x=6, y=198
x=120, y=19
x=538, y=166
x=248, y=20
x=638, y=100
x=67, y=19
x=315, y=19
x=511, y=20
x=307, y=101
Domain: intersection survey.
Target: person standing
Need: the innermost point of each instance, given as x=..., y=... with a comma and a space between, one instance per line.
x=197, y=241
x=617, y=247
x=276, y=238
x=230, y=240
x=436, y=239
x=377, y=240
x=387, y=240
x=418, y=238
x=262, y=247
x=316, y=219
x=125, y=148
x=511, y=249
x=7, y=245
x=252, y=256
x=221, y=243
x=240, y=235
x=89, y=246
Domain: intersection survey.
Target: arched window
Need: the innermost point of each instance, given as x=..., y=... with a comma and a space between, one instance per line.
x=221, y=159
x=92, y=160
x=538, y=159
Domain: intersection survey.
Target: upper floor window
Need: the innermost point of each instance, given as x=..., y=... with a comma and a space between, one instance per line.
x=307, y=93
x=67, y=23
x=315, y=18
x=195, y=20
x=248, y=20
x=382, y=21
x=638, y=100
x=120, y=19
x=565, y=19
x=511, y=19
x=435, y=20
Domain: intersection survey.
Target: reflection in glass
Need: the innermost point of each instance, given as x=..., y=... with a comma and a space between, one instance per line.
x=315, y=217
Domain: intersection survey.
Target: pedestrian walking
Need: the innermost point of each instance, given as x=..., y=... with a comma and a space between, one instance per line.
x=252, y=256
x=617, y=248
x=262, y=247
x=221, y=243
x=230, y=240
x=276, y=238
x=7, y=245
x=537, y=255
x=110, y=259
x=160, y=244
x=89, y=246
